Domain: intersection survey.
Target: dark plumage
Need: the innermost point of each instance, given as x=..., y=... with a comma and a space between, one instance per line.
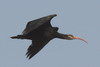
x=41, y=32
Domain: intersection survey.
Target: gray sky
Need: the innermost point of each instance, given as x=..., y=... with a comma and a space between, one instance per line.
x=77, y=17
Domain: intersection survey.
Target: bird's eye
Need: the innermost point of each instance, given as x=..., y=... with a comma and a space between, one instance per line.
x=70, y=36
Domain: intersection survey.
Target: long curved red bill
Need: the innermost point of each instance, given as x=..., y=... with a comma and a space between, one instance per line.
x=80, y=39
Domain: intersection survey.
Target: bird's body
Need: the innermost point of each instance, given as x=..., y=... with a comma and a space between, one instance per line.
x=40, y=31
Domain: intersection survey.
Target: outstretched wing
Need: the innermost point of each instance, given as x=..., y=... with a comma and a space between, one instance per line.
x=35, y=48
x=32, y=25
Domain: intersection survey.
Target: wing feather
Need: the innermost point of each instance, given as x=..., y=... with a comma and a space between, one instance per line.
x=35, y=48
x=32, y=25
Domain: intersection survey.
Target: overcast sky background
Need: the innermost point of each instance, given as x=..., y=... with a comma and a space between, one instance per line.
x=78, y=17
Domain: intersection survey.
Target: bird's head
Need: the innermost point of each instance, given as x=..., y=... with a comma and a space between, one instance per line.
x=71, y=37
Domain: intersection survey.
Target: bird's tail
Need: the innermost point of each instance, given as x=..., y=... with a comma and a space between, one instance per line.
x=18, y=37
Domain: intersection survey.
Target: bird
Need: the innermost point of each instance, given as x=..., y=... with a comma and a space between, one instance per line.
x=40, y=32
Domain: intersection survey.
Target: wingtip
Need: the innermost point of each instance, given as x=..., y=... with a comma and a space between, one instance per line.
x=54, y=15
x=29, y=57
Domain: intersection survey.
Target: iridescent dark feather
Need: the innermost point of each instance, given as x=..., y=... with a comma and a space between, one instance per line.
x=32, y=25
x=40, y=32
x=35, y=47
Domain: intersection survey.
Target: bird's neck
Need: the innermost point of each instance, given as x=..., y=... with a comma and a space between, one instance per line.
x=61, y=36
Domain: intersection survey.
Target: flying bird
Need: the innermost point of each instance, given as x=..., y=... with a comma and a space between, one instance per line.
x=40, y=31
